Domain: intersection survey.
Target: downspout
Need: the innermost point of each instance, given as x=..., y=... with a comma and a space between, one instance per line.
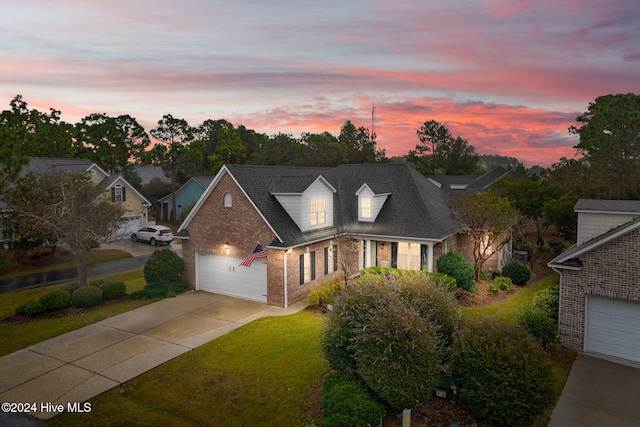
x=286, y=291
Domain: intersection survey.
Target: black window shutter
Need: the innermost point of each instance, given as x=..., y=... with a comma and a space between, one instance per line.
x=124, y=194
x=113, y=194
x=335, y=257
x=302, y=269
x=326, y=261
x=313, y=265
x=394, y=254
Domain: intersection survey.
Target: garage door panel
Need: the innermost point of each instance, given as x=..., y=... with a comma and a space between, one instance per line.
x=613, y=328
x=224, y=275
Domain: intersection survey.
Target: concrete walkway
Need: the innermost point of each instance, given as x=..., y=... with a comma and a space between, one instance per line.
x=598, y=393
x=81, y=364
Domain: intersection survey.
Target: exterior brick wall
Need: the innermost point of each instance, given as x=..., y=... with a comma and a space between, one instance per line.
x=610, y=271
x=240, y=226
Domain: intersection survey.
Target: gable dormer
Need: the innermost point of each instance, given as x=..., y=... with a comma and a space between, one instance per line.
x=371, y=198
x=308, y=199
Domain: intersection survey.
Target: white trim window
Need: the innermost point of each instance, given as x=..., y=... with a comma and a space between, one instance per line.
x=318, y=211
x=408, y=256
x=365, y=207
x=228, y=200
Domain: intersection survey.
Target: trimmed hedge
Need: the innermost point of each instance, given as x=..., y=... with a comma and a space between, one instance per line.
x=55, y=300
x=86, y=296
x=152, y=293
x=538, y=323
x=504, y=375
x=347, y=403
x=70, y=287
x=326, y=292
x=31, y=308
x=111, y=289
x=453, y=264
x=176, y=287
x=549, y=301
x=517, y=271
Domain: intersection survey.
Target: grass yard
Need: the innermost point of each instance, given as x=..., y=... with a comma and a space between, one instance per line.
x=257, y=375
x=15, y=336
x=39, y=261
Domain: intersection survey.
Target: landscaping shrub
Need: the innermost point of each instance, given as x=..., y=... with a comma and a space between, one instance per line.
x=163, y=266
x=557, y=245
x=55, y=300
x=538, y=323
x=70, y=287
x=517, y=271
x=393, y=330
x=444, y=280
x=504, y=375
x=175, y=287
x=346, y=402
x=494, y=288
x=326, y=292
x=549, y=301
x=504, y=283
x=86, y=296
x=453, y=264
x=112, y=289
x=152, y=293
x=31, y=308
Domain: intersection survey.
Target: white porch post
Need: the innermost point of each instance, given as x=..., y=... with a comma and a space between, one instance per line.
x=367, y=253
x=430, y=257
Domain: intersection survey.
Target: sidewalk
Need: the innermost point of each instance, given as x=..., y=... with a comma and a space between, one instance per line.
x=74, y=367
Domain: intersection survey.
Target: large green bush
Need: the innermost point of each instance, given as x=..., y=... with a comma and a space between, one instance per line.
x=539, y=324
x=517, y=271
x=326, y=292
x=86, y=296
x=393, y=330
x=164, y=265
x=549, y=301
x=55, y=300
x=503, y=373
x=453, y=264
x=346, y=402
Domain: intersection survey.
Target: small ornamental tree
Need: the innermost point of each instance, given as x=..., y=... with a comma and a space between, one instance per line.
x=488, y=220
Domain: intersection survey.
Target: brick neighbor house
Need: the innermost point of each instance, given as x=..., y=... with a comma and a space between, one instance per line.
x=599, y=285
x=315, y=224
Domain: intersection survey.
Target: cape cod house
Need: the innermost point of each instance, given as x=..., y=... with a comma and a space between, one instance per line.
x=314, y=224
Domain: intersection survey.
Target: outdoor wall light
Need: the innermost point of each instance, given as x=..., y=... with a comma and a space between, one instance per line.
x=226, y=248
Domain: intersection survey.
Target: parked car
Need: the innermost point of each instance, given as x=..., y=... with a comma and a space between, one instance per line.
x=154, y=235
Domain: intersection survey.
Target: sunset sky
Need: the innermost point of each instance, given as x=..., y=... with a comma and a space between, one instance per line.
x=510, y=76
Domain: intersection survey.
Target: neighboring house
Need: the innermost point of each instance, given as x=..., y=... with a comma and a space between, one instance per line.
x=186, y=196
x=314, y=224
x=599, y=285
x=117, y=189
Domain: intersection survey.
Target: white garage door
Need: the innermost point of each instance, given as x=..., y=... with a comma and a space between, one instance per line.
x=613, y=328
x=128, y=225
x=224, y=275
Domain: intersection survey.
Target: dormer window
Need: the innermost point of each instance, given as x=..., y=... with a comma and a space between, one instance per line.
x=365, y=207
x=118, y=193
x=318, y=211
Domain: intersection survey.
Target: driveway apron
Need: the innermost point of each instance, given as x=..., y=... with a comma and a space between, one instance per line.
x=74, y=367
x=598, y=393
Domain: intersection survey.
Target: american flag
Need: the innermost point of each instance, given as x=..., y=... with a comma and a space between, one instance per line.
x=258, y=252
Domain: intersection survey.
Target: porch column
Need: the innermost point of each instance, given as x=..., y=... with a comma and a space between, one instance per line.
x=430, y=257
x=367, y=253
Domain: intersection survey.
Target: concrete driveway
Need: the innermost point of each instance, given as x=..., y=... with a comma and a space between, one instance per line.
x=81, y=364
x=598, y=393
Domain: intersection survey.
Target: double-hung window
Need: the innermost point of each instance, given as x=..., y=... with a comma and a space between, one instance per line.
x=408, y=256
x=318, y=210
x=365, y=207
x=307, y=267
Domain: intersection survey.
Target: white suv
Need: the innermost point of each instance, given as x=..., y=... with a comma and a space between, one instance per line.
x=156, y=235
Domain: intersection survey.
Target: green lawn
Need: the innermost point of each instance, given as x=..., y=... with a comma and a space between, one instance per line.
x=257, y=375
x=11, y=268
x=14, y=337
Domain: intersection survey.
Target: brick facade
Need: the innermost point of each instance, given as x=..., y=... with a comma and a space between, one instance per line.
x=611, y=271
